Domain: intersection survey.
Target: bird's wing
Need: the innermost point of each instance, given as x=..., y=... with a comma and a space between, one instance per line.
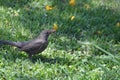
x=32, y=45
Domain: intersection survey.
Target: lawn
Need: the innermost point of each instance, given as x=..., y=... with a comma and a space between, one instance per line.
x=86, y=45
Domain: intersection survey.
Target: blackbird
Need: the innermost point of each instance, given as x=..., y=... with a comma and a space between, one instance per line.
x=34, y=46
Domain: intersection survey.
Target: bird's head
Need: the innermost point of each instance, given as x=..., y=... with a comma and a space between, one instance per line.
x=45, y=33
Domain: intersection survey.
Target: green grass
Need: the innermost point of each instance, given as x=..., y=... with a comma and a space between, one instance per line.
x=86, y=48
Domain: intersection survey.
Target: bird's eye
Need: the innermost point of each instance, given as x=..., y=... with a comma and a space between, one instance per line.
x=47, y=33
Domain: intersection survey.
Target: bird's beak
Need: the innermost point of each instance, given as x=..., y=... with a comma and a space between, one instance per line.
x=52, y=31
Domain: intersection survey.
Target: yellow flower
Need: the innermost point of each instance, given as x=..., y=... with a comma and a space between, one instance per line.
x=72, y=18
x=87, y=6
x=99, y=32
x=6, y=21
x=118, y=24
x=27, y=8
x=48, y=8
x=16, y=13
x=55, y=26
x=72, y=2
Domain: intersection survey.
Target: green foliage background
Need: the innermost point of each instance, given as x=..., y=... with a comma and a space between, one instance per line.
x=86, y=48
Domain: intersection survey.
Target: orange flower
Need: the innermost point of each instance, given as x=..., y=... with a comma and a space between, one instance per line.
x=55, y=26
x=72, y=18
x=48, y=8
x=72, y=2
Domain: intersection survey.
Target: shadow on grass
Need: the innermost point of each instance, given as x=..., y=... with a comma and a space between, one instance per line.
x=50, y=60
x=14, y=3
x=16, y=54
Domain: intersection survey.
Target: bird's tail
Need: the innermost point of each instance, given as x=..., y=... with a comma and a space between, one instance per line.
x=16, y=44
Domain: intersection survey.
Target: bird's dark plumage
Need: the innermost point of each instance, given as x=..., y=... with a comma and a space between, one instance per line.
x=34, y=46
